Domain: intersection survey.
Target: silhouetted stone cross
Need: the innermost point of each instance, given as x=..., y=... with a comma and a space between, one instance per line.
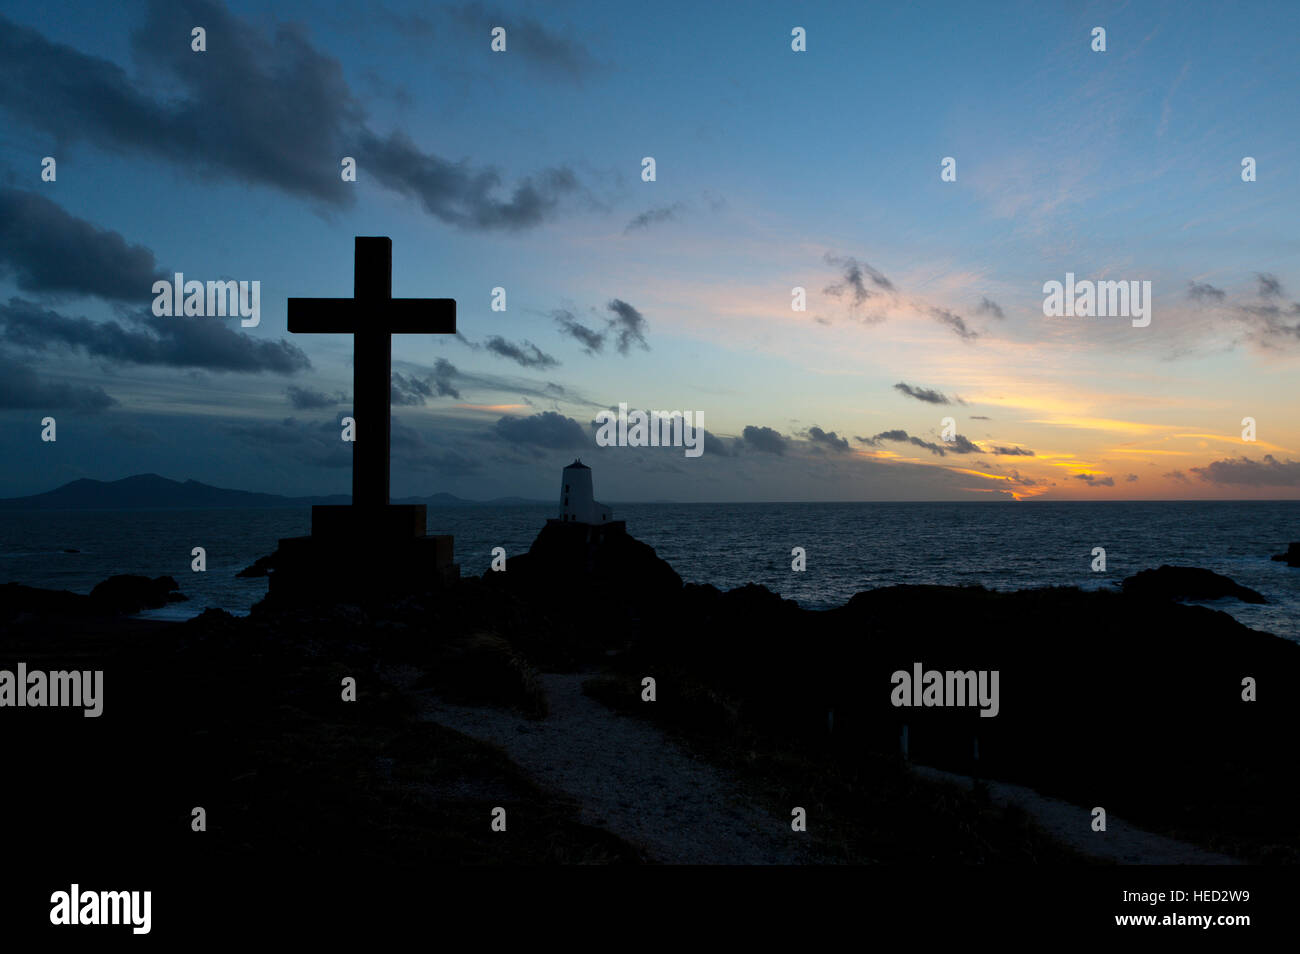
x=372, y=316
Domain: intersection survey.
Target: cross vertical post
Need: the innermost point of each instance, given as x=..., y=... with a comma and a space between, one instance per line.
x=372, y=371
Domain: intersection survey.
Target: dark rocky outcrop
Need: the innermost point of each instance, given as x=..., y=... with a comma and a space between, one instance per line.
x=1292, y=555
x=128, y=593
x=1089, y=684
x=581, y=592
x=116, y=596
x=596, y=561
x=262, y=566
x=1183, y=583
x=18, y=600
x=1092, y=687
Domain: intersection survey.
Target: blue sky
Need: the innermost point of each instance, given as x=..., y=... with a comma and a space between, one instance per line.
x=774, y=169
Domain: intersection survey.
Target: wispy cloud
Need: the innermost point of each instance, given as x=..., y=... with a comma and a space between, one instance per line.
x=297, y=116
x=958, y=445
x=655, y=216
x=526, y=355
x=927, y=395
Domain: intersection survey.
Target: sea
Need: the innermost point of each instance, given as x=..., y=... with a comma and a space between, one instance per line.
x=849, y=546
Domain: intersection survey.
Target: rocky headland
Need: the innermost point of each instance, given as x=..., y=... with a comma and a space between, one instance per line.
x=1174, y=717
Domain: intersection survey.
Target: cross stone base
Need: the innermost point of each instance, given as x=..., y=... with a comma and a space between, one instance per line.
x=390, y=522
x=362, y=554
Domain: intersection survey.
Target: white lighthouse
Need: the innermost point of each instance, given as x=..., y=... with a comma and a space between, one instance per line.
x=577, y=504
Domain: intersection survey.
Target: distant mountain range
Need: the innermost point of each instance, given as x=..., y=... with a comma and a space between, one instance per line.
x=152, y=491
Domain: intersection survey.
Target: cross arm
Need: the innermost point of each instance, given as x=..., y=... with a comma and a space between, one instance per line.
x=398, y=316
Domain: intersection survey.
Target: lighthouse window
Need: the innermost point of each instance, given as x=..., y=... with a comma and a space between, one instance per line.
x=566, y=488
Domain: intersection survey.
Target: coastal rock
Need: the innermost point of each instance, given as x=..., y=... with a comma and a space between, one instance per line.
x=1292, y=555
x=129, y=593
x=261, y=566
x=568, y=555
x=747, y=673
x=1182, y=583
x=18, y=600
x=116, y=596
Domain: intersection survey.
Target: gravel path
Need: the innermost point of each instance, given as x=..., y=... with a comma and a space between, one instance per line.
x=1121, y=842
x=631, y=780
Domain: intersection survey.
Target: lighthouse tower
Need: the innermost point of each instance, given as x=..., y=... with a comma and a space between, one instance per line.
x=577, y=504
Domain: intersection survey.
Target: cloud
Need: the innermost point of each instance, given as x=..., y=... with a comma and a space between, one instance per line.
x=1017, y=479
x=21, y=389
x=1094, y=481
x=956, y=322
x=1131, y=478
x=1268, y=472
x=895, y=435
x=925, y=394
x=45, y=249
x=318, y=444
x=853, y=279
x=628, y=326
x=988, y=306
x=828, y=439
x=1177, y=475
x=409, y=448
x=1204, y=292
x=206, y=343
x=527, y=355
x=1269, y=286
x=459, y=194
x=293, y=107
x=860, y=282
x=764, y=439
x=980, y=417
x=443, y=372
x=1269, y=321
x=713, y=444
x=958, y=445
x=655, y=216
x=1013, y=451
x=410, y=391
x=592, y=341
x=444, y=379
x=1268, y=325
x=551, y=52
x=548, y=429
x=560, y=391
x=716, y=445
x=413, y=390
x=307, y=399
x=901, y=436
x=288, y=116
x=315, y=444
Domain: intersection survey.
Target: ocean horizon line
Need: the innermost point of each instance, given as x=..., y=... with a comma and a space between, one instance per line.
x=500, y=502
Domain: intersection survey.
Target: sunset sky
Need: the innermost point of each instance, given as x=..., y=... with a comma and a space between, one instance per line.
x=775, y=169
